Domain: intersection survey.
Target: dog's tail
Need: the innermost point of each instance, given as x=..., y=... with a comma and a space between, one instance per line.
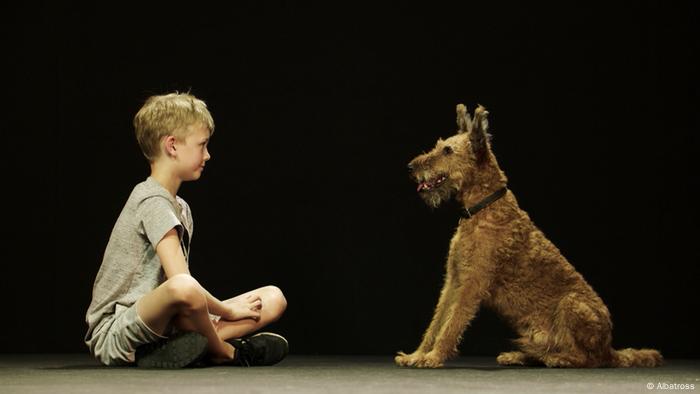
x=636, y=358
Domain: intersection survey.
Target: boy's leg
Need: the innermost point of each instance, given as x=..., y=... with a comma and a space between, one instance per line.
x=181, y=300
x=273, y=306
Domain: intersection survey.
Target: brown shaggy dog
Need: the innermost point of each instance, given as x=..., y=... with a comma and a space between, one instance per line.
x=498, y=258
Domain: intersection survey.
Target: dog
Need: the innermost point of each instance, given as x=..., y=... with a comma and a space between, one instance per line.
x=498, y=258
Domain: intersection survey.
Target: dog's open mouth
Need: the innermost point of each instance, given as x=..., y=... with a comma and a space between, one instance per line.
x=432, y=183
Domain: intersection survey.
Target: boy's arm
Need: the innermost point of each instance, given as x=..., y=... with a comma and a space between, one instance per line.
x=170, y=254
x=173, y=261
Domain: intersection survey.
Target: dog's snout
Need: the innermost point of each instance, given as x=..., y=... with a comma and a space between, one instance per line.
x=410, y=166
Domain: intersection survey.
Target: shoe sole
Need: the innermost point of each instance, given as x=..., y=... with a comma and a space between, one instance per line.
x=273, y=335
x=177, y=352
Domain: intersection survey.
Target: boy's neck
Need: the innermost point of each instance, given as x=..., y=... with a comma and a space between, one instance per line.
x=167, y=179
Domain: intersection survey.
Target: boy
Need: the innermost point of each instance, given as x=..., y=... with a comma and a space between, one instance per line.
x=146, y=307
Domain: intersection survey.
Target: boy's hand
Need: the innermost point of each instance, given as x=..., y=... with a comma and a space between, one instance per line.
x=247, y=308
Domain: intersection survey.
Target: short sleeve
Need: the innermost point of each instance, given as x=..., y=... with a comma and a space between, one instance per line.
x=186, y=217
x=157, y=217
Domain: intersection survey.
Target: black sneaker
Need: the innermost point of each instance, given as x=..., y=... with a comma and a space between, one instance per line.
x=264, y=348
x=177, y=351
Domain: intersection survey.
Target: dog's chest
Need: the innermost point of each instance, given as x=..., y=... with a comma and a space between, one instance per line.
x=466, y=242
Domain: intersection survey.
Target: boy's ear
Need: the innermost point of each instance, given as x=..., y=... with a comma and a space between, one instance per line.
x=464, y=120
x=479, y=134
x=169, y=145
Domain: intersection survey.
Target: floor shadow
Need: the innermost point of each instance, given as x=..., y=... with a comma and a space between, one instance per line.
x=81, y=367
x=489, y=368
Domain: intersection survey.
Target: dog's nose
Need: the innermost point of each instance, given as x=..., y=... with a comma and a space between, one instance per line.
x=410, y=166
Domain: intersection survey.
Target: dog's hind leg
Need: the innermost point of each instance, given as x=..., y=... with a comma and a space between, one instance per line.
x=515, y=358
x=581, y=334
x=533, y=344
x=565, y=360
x=540, y=348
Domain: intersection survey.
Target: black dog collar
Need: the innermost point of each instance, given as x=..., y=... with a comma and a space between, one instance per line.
x=469, y=212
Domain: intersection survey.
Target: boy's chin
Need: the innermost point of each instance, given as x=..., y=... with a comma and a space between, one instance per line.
x=193, y=177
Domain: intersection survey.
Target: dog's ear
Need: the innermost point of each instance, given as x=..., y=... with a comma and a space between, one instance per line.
x=464, y=120
x=480, y=134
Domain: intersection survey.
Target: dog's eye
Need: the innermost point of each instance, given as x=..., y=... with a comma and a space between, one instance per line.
x=447, y=150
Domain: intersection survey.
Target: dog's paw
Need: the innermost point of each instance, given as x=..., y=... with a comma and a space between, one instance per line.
x=558, y=362
x=511, y=358
x=430, y=360
x=407, y=360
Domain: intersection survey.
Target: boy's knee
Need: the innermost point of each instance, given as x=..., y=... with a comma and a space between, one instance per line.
x=275, y=297
x=185, y=292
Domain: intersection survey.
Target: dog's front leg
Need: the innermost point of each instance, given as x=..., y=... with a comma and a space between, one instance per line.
x=447, y=293
x=447, y=298
x=472, y=287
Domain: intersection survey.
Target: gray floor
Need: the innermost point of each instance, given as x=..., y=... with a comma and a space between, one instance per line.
x=70, y=373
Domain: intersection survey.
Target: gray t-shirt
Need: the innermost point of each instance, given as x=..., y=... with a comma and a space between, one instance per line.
x=130, y=266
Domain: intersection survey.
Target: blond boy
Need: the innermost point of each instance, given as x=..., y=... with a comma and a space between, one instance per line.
x=146, y=307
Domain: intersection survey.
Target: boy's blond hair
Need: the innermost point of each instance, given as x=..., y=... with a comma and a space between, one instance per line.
x=168, y=114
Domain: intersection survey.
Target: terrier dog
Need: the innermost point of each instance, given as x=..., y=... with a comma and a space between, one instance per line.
x=498, y=258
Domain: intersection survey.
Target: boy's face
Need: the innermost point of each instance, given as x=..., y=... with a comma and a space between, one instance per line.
x=192, y=154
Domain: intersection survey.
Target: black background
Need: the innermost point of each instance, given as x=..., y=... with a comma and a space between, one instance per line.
x=318, y=109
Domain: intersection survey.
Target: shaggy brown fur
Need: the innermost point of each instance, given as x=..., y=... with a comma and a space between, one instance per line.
x=498, y=258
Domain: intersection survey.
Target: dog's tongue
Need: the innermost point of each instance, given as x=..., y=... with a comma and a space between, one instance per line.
x=422, y=186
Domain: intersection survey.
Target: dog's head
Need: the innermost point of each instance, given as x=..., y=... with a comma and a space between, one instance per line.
x=451, y=166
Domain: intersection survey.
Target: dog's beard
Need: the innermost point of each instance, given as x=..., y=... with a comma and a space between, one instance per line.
x=436, y=197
